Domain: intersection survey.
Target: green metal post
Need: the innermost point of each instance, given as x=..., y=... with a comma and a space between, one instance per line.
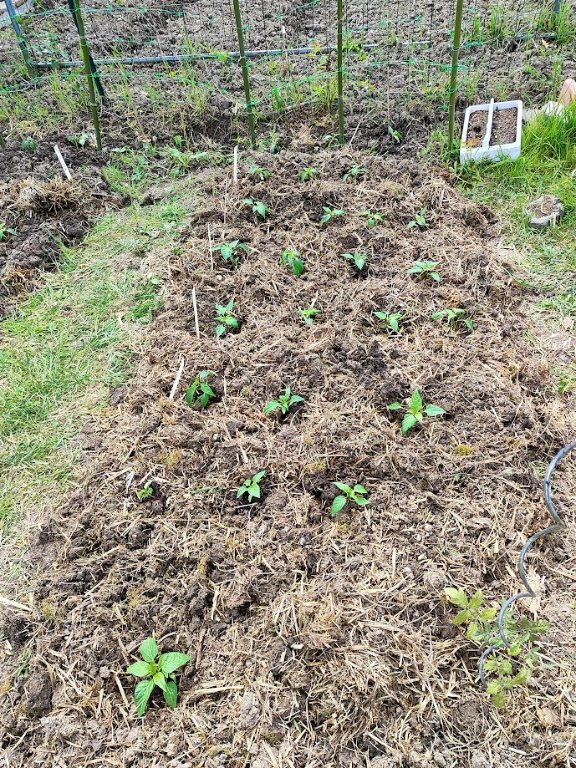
x=85, y=51
x=341, y=135
x=243, y=61
x=454, y=71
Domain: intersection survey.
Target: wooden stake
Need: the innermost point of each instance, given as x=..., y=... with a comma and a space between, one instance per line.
x=177, y=379
x=62, y=162
x=195, y=313
x=236, y=165
x=211, y=246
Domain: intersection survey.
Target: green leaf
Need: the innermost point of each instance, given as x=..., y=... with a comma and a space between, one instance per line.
x=296, y=399
x=142, y=694
x=394, y=406
x=141, y=669
x=408, y=422
x=434, y=410
x=460, y=618
x=171, y=693
x=435, y=276
x=159, y=679
x=149, y=649
x=271, y=405
x=488, y=614
x=338, y=505
x=258, y=476
x=220, y=331
x=416, y=400
x=475, y=601
x=343, y=487
x=169, y=662
x=493, y=687
x=254, y=491
x=456, y=597
x=361, y=501
x=359, y=488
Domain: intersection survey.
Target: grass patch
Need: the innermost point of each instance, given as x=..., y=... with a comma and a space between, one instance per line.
x=69, y=344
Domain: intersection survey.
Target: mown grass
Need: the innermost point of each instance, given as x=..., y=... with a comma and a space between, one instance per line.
x=69, y=344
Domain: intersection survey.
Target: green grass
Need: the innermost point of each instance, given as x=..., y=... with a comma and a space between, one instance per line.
x=69, y=344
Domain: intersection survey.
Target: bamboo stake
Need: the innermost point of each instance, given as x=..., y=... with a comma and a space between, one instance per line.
x=28, y=61
x=85, y=51
x=243, y=61
x=340, y=43
x=454, y=71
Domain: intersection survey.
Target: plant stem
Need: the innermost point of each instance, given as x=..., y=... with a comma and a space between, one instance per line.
x=454, y=71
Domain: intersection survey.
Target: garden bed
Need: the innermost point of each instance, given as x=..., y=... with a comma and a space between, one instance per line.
x=314, y=640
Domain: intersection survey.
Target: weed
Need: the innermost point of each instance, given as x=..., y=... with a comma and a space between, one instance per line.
x=355, y=173
x=308, y=174
x=145, y=493
x=147, y=302
x=425, y=269
x=285, y=401
x=354, y=495
x=415, y=411
x=456, y=316
x=80, y=139
x=291, y=258
x=260, y=174
x=390, y=321
x=309, y=314
x=394, y=134
x=251, y=487
x=200, y=392
x=357, y=258
x=330, y=213
x=372, y=218
x=231, y=252
x=157, y=671
x=29, y=143
x=419, y=220
x=6, y=231
x=482, y=629
x=226, y=320
x=257, y=207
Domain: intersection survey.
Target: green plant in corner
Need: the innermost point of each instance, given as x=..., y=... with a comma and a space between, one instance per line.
x=372, y=218
x=291, y=258
x=415, y=411
x=309, y=314
x=251, y=487
x=330, y=213
x=348, y=495
x=285, y=401
x=200, y=392
x=355, y=173
x=157, y=671
x=357, y=258
x=257, y=207
x=226, y=320
x=307, y=174
x=259, y=173
x=455, y=317
x=419, y=220
x=390, y=321
x=508, y=666
x=231, y=252
x=425, y=269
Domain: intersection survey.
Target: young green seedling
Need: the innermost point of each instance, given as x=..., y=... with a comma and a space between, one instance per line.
x=396, y=135
x=200, y=392
x=5, y=231
x=259, y=173
x=307, y=174
x=157, y=671
x=285, y=401
x=330, y=213
x=357, y=259
x=309, y=314
x=415, y=411
x=349, y=495
x=145, y=493
x=455, y=316
x=425, y=269
x=355, y=173
x=251, y=487
x=29, y=143
x=226, y=320
x=291, y=258
x=390, y=320
x=373, y=218
x=231, y=252
x=257, y=207
x=419, y=220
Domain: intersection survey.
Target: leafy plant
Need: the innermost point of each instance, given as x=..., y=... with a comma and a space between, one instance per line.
x=357, y=258
x=257, y=207
x=425, y=269
x=396, y=135
x=415, y=411
x=355, y=173
x=257, y=172
x=390, y=320
x=373, y=218
x=455, y=316
x=29, y=143
x=291, y=258
x=309, y=314
x=251, y=487
x=231, y=252
x=5, y=231
x=157, y=671
x=419, y=220
x=145, y=493
x=307, y=174
x=349, y=495
x=226, y=320
x=200, y=392
x=522, y=654
x=80, y=139
x=330, y=213
x=285, y=401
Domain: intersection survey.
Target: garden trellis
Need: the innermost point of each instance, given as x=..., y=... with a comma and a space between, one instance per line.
x=390, y=66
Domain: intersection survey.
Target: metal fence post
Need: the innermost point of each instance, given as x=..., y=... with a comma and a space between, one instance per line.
x=454, y=71
x=22, y=44
x=243, y=62
x=88, y=69
x=341, y=134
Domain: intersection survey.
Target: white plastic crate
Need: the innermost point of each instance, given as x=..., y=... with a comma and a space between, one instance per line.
x=485, y=150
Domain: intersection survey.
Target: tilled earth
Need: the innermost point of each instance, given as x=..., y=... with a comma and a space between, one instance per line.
x=313, y=641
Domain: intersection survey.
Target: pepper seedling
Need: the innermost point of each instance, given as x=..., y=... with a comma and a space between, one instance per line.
x=157, y=671
x=415, y=411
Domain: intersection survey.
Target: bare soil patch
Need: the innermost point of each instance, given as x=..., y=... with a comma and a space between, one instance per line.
x=314, y=641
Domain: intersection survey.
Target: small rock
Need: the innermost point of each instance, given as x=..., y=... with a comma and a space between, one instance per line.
x=546, y=210
x=38, y=692
x=249, y=713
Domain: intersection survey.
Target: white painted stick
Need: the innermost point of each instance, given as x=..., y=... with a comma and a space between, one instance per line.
x=14, y=604
x=177, y=379
x=211, y=245
x=195, y=313
x=62, y=162
x=236, y=165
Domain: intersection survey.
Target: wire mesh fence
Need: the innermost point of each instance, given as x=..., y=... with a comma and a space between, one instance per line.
x=173, y=67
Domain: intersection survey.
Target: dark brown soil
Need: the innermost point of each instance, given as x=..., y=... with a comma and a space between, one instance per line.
x=314, y=642
x=476, y=128
x=504, y=126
